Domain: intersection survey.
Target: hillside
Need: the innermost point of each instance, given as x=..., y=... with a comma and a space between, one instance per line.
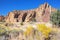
x=34, y=24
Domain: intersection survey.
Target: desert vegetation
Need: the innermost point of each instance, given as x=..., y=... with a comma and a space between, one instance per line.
x=29, y=31
x=55, y=18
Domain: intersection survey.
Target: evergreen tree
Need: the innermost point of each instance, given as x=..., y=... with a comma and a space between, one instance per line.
x=55, y=18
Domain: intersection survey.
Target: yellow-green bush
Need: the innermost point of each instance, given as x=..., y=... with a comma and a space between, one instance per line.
x=44, y=29
x=28, y=30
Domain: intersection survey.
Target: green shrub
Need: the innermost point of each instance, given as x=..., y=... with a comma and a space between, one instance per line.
x=55, y=18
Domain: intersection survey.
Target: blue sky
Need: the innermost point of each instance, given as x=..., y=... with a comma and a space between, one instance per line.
x=10, y=5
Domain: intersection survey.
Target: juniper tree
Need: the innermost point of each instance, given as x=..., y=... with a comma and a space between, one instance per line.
x=55, y=18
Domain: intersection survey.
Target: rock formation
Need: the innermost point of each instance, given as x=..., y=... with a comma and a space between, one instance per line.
x=39, y=14
x=2, y=18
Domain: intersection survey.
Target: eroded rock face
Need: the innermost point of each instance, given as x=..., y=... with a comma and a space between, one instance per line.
x=39, y=14
x=2, y=18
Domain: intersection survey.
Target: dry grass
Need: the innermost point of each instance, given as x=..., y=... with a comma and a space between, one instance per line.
x=36, y=31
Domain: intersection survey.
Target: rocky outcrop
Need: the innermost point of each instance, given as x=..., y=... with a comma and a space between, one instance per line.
x=2, y=18
x=39, y=14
